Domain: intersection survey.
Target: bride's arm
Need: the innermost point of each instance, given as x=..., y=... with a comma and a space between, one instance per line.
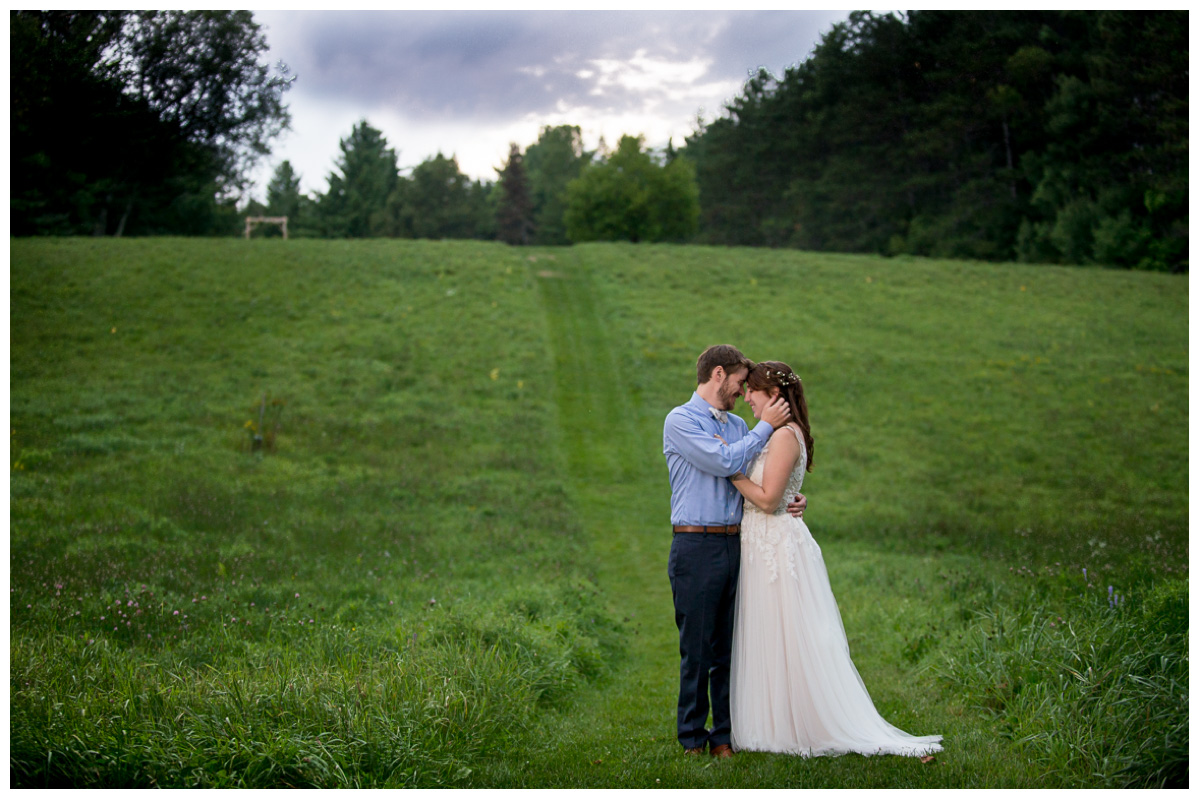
x=781, y=458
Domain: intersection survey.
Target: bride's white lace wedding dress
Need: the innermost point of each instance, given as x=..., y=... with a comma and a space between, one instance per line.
x=794, y=688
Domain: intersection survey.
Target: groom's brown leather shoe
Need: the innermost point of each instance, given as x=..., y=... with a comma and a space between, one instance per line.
x=722, y=751
x=694, y=751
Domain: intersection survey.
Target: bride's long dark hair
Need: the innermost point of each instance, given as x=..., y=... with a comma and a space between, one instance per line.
x=768, y=374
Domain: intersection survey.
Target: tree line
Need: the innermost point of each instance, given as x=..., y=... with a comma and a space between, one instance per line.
x=1050, y=137
x=553, y=193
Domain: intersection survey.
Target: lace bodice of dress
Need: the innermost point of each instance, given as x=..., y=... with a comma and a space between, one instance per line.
x=768, y=536
x=795, y=480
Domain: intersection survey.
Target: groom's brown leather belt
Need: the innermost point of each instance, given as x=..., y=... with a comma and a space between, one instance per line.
x=706, y=528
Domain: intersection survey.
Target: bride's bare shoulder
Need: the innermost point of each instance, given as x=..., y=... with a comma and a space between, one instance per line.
x=784, y=437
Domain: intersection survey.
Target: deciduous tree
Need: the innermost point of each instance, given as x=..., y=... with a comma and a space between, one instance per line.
x=442, y=203
x=137, y=122
x=630, y=197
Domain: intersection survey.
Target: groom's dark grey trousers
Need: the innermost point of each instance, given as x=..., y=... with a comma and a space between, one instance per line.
x=703, y=569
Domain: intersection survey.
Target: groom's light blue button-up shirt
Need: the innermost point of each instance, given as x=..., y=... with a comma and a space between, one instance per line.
x=699, y=464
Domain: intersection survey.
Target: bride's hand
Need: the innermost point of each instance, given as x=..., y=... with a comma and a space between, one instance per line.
x=718, y=436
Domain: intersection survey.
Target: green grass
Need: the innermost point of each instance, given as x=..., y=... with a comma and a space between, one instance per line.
x=465, y=495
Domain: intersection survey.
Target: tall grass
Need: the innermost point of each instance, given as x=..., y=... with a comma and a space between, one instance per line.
x=1092, y=686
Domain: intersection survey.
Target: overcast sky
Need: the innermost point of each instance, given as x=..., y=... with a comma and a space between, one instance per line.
x=467, y=83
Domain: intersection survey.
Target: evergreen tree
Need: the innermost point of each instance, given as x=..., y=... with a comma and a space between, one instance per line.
x=514, y=212
x=283, y=192
x=284, y=199
x=1110, y=185
x=356, y=203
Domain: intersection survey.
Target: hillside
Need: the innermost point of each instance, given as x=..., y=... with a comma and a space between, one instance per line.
x=443, y=562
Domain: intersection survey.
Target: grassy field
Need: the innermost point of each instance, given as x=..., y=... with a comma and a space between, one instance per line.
x=384, y=513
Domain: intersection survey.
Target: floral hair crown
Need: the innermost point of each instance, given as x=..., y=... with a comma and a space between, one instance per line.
x=784, y=378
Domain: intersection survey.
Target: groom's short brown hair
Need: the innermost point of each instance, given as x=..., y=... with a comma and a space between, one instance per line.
x=720, y=355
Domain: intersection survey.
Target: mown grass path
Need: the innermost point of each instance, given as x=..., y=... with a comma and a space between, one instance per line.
x=609, y=734
x=619, y=732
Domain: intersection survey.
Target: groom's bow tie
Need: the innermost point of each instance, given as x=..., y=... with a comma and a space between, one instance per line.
x=719, y=416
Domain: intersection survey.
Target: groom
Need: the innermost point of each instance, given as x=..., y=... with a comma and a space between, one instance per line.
x=706, y=515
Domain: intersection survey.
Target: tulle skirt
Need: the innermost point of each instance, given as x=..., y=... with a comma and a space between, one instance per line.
x=794, y=688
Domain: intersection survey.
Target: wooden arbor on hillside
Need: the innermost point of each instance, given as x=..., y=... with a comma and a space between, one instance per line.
x=252, y=221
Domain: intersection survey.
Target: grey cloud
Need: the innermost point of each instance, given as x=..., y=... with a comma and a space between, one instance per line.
x=771, y=39
x=501, y=65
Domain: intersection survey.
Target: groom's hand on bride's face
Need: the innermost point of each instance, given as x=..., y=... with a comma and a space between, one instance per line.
x=776, y=413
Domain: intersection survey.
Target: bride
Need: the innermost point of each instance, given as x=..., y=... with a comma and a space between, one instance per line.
x=794, y=688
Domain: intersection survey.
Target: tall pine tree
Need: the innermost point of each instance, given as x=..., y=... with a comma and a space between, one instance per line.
x=514, y=212
x=354, y=206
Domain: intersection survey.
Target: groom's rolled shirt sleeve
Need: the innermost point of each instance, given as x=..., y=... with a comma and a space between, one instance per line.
x=707, y=453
